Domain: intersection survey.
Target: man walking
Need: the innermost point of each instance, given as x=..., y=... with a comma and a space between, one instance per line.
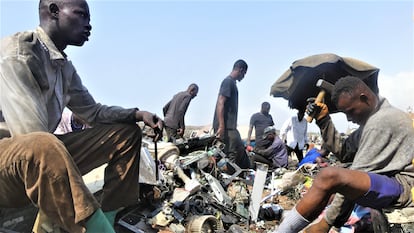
x=174, y=112
x=225, y=116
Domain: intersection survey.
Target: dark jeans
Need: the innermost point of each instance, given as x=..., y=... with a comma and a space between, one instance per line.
x=298, y=152
x=234, y=148
x=261, y=159
x=171, y=134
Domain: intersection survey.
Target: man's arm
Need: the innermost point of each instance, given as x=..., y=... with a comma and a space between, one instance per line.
x=284, y=129
x=152, y=121
x=344, y=149
x=83, y=104
x=268, y=152
x=249, y=132
x=220, y=115
x=305, y=136
x=182, y=109
x=165, y=108
x=23, y=106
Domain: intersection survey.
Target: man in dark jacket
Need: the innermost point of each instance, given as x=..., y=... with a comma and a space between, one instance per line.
x=274, y=152
x=260, y=121
x=174, y=112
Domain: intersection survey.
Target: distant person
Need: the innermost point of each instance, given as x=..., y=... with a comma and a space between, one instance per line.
x=70, y=123
x=259, y=121
x=37, y=81
x=294, y=133
x=174, y=112
x=274, y=154
x=317, y=156
x=225, y=116
x=381, y=174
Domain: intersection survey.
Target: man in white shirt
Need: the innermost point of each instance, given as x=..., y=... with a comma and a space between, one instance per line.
x=293, y=133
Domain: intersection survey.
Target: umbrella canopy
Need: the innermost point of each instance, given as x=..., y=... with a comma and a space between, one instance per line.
x=298, y=83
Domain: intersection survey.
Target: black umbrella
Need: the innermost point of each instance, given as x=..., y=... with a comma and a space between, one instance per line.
x=298, y=83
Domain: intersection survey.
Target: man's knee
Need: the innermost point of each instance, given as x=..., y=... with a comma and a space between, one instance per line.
x=129, y=131
x=328, y=178
x=46, y=151
x=41, y=142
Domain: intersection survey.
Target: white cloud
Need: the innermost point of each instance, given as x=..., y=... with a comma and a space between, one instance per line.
x=398, y=89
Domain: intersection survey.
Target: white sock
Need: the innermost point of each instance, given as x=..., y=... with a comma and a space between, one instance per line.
x=292, y=223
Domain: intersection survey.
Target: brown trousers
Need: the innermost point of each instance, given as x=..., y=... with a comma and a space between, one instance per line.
x=47, y=170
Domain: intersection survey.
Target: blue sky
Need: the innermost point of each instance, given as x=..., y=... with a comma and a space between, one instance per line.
x=141, y=53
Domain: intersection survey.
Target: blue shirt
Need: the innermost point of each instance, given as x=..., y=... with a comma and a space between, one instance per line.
x=310, y=157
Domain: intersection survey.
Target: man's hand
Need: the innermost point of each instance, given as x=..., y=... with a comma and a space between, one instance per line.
x=180, y=132
x=152, y=120
x=316, y=110
x=320, y=227
x=220, y=133
x=258, y=151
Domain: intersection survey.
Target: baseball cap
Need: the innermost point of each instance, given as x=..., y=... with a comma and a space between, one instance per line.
x=268, y=130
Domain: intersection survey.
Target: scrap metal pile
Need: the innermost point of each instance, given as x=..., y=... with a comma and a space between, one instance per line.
x=197, y=189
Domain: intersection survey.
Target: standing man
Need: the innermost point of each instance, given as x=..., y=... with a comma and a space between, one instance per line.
x=294, y=133
x=37, y=81
x=174, y=112
x=381, y=174
x=260, y=121
x=225, y=116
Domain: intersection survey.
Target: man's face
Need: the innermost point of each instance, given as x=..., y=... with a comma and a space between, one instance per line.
x=271, y=137
x=355, y=109
x=266, y=109
x=193, y=93
x=73, y=23
x=242, y=73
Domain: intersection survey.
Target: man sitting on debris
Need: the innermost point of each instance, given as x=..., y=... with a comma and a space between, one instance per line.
x=37, y=80
x=259, y=121
x=274, y=154
x=381, y=174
